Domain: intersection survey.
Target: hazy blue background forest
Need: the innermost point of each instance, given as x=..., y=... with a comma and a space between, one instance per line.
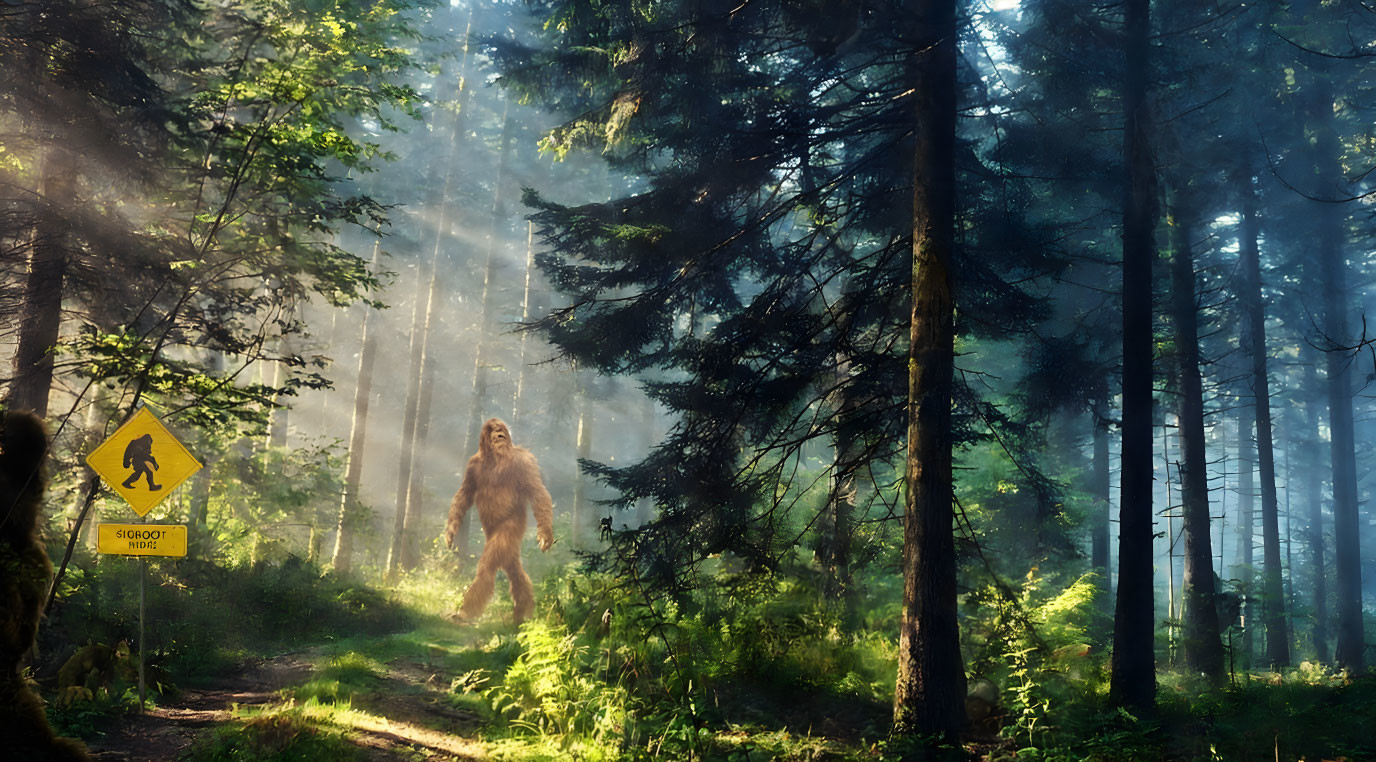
x=1078, y=288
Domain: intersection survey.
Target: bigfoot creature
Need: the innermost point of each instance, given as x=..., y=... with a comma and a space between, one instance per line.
x=24, y=574
x=501, y=479
x=138, y=455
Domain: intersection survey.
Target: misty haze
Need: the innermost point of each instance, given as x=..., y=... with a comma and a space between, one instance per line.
x=658, y=380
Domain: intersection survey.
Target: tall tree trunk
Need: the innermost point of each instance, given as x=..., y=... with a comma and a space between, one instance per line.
x=1318, y=555
x=40, y=314
x=342, y=558
x=1203, y=650
x=649, y=433
x=411, y=501
x=1333, y=276
x=517, y=402
x=1272, y=594
x=1246, y=526
x=839, y=521
x=404, y=552
x=415, y=488
x=481, y=363
x=581, y=509
x=930, y=691
x=1133, y=668
x=1099, y=488
x=277, y=415
x=406, y=448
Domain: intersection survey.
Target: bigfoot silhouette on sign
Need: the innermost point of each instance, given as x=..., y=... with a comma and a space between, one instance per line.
x=138, y=455
x=501, y=479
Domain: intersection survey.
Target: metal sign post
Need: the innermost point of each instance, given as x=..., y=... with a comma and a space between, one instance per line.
x=143, y=584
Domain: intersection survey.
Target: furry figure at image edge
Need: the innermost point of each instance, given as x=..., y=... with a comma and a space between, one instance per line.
x=25, y=573
x=501, y=479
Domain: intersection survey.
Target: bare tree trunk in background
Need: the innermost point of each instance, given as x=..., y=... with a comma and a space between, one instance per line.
x=929, y=695
x=645, y=506
x=1272, y=593
x=1099, y=487
x=342, y=558
x=1203, y=650
x=404, y=552
x=277, y=416
x=1333, y=277
x=415, y=489
x=581, y=510
x=200, y=502
x=406, y=446
x=840, y=509
x=1133, y=668
x=516, y=401
x=93, y=433
x=323, y=513
x=1314, y=497
x=479, y=395
x=40, y=313
x=1246, y=526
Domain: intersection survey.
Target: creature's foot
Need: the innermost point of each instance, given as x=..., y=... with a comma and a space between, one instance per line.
x=458, y=617
x=155, y=487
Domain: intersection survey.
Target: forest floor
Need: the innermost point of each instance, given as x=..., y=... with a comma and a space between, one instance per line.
x=395, y=708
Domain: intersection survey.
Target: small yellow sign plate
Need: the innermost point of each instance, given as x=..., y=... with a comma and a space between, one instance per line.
x=142, y=461
x=141, y=539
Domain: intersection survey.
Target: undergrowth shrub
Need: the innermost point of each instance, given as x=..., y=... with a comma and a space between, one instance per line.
x=276, y=736
x=202, y=618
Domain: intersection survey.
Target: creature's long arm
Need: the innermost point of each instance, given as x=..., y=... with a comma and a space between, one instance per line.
x=543, y=506
x=463, y=500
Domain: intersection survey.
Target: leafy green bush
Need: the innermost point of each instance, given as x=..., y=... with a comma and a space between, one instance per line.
x=202, y=618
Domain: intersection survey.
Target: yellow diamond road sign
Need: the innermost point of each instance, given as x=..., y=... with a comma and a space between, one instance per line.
x=142, y=461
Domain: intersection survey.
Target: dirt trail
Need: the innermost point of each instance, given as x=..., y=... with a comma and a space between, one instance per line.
x=399, y=720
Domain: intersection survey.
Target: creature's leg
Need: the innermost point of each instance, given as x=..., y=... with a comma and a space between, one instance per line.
x=149, y=473
x=480, y=592
x=522, y=593
x=132, y=478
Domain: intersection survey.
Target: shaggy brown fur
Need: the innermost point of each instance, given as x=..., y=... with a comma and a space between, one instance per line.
x=24, y=575
x=502, y=479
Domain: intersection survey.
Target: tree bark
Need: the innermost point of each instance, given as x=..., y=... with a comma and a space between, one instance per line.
x=930, y=691
x=1272, y=593
x=1203, y=650
x=415, y=488
x=840, y=510
x=1099, y=488
x=406, y=447
x=40, y=313
x=1246, y=526
x=277, y=416
x=1333, y=278
x=342, y=558
x=581, y=508
x=1318, y=555
x=517, y=401
x=1133, y=667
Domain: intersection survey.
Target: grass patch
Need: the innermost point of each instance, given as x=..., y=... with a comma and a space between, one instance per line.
x=342, y=677
x=275, y=736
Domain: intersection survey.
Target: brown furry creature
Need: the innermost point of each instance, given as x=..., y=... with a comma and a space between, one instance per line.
x=501, y=479
x=24, y=574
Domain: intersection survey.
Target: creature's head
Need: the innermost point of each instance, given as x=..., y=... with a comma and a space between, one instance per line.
x=496, y=439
